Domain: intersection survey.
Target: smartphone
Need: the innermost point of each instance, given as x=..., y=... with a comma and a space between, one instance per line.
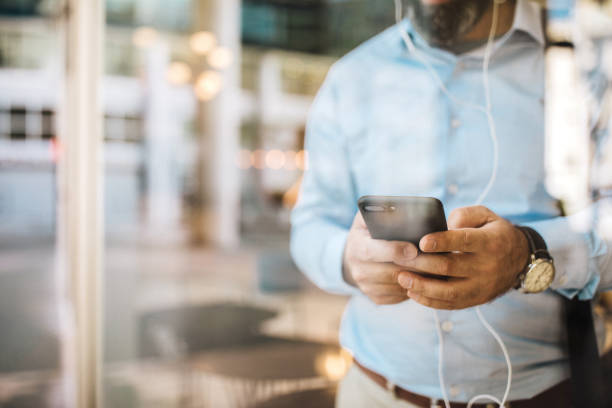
x=402, y=218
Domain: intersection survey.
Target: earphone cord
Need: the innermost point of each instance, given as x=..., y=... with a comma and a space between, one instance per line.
x=486, y=110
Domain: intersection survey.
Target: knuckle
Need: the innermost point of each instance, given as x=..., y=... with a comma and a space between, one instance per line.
x=398, y=254
x=444, y=267
x=481, y=208
x=456, y=215
x=451, y=294
x=457, y=212
x=465, y=240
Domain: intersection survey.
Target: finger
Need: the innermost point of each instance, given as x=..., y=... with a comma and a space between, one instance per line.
x=470, y=217
x=389, y=300
x=384, y=289
x=371, y=273
x=453, y=265
x=461, y=240
x=451, y=290
x=377, y=250
x=435, y=303
x=378, y=273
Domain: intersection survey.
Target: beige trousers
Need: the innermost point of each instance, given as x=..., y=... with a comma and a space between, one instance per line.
x=357, y=390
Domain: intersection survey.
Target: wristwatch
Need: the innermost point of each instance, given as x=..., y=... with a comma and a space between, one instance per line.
x=539, y=273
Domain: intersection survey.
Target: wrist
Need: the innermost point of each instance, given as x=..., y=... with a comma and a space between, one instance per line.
x=524, y=254
x=539, y=273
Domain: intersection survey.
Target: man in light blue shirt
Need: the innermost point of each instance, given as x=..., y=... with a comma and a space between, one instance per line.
x=381, y=125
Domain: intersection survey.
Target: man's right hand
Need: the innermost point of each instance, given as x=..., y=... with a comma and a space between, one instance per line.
x=374, y=265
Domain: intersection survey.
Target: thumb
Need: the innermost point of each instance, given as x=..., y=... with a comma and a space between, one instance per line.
x=470, y=217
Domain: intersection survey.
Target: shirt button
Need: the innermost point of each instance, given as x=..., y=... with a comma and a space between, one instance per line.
x=454, y=391
x=447, y=326
x=455, y=123
x=453, y=189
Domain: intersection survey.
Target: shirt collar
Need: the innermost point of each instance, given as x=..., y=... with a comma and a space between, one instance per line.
x=528, y=18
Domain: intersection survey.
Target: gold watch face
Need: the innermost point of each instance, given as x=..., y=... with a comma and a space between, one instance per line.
x=540, y=275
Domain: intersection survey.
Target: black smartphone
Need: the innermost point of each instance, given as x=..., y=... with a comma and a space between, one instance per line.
x=402, y=218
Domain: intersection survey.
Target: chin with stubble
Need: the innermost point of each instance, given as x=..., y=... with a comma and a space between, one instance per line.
x=442, y=23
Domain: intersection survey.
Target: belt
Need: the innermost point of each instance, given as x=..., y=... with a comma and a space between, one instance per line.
x=557, y=396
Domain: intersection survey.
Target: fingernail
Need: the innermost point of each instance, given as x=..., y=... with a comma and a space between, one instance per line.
x=409, y=252
x=406, y=282
x=429, y=245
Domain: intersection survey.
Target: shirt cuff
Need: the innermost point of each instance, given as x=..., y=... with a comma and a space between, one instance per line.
x=573, y=248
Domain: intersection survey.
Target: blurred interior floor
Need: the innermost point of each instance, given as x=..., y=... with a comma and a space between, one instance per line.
x=168, y=312
x=184, y=327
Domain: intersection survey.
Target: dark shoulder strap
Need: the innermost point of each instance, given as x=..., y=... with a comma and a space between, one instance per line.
x=585, y=364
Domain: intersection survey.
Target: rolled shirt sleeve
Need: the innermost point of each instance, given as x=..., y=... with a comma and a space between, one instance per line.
x=327, y=203
x=580, y=246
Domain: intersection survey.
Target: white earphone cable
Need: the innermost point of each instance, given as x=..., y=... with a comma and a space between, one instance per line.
x=493, y=134
x=441, y=360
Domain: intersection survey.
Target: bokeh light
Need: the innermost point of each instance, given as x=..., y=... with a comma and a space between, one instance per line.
x=202, y=42
x=144, y=37
x=220, y=58
x=333, y=365
x=179, y=73
x=290, y=160
x=275, y=159
x=208, y=85
x=244, y=159
x=259, y=159
x=301, y=160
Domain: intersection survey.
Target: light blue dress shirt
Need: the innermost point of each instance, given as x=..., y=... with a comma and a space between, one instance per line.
x=381, y=125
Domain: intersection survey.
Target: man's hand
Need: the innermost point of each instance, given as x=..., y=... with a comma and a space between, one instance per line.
x=372, y=265
x=482, y=255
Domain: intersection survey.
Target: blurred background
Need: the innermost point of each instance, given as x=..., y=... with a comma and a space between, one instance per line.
x=204, y=105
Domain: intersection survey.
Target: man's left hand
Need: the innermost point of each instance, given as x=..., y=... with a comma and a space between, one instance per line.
x=480, y=258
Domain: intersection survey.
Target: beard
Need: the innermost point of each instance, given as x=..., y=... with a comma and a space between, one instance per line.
x=444, y=24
